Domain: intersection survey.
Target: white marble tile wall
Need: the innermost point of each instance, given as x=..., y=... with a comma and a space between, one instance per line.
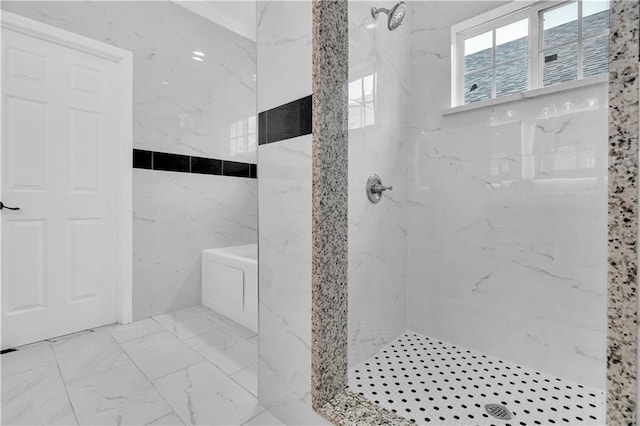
x=176, y=215
x=284, y=194
x=378, y=140
x=201, y=108
x=284, y=188
x=507, y=215
x=285, y=39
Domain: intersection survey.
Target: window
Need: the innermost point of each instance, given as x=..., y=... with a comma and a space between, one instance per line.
x=514, y=48
x=242, y=136
x=362, y=101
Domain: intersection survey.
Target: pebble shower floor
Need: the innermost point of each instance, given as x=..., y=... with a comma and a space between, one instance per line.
x=432, y=382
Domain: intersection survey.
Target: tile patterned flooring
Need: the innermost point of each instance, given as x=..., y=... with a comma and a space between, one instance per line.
x=191, y=366
x=432, y=382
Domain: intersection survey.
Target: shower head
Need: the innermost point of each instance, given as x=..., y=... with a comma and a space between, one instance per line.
x=396, y=14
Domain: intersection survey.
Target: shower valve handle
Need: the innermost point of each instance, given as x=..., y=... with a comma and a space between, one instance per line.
x=379, y=188
x=375, y=188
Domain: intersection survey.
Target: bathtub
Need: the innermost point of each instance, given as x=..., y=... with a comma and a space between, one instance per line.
x=230, y=283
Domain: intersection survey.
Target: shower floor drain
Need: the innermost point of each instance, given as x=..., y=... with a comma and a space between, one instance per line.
x=498, y=411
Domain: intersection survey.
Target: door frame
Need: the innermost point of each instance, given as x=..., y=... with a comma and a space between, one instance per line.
x=124, y=60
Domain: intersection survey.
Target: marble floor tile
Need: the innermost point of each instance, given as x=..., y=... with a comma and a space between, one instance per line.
x=36, y=396
x=203, y=395
x=224, y=349
x=239, y=329
x=134, y=330
x=160, y=354
x=264, y=419
x=168, y=420
x=188, y=322
x=27, y=358
x=88, y=354
x=118, y=396
x=248, y=378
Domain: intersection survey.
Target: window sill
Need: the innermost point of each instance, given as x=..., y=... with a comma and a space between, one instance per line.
x=556, y=88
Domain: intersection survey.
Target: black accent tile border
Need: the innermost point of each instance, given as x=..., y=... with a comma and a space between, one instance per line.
x=286, y=121
x=165, y=161
x=206, y=166
x=171, y=162
x=142, y=159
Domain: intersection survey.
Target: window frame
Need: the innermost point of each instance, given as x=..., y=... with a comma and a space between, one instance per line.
x=505, y=15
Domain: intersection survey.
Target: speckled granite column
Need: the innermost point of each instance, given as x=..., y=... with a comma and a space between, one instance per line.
x=330, y=200
x=622, y=337
x=329, y=233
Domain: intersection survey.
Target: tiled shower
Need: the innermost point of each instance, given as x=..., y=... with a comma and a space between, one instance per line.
x=491, y=245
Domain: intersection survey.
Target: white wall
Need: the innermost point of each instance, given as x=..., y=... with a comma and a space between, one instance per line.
x=507, y=215
x=181, y=107
x=284, y=176
x=378, y=140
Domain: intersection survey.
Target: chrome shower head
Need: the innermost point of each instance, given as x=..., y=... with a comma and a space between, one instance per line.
x=396, y=14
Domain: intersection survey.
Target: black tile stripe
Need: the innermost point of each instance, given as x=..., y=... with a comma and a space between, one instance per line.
x=142, y=159
x=233, y=168
x=206, y=166
x=171, y=162
x=164, y=161
x=285, y=122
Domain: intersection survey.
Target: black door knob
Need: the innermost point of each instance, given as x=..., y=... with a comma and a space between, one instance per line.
x=2, y=206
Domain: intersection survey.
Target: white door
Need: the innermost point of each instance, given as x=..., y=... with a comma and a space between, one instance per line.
x=59, y=166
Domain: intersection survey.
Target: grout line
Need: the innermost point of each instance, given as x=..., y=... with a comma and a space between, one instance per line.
x=241, y=385
x=203, y=360
x=140, y=337
x=64, y=383
x=264, y=410
x=183, y=368
x=165, y=415
x=152, y=385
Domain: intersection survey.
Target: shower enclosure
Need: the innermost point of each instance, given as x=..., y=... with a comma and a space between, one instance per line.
x=477, y=285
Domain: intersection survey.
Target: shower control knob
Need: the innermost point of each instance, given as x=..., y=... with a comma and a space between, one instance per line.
x=379, y=188
x=375, y=188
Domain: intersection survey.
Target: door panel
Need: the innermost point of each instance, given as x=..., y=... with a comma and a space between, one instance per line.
x=26, y=65
x=26, y=127
x=28, y=239
x=85, y=142
x=59, y=263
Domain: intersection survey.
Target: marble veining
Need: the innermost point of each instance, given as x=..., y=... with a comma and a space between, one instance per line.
x=284, y=248
x=138, y=373
x=284, y=43
x=378, y=143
